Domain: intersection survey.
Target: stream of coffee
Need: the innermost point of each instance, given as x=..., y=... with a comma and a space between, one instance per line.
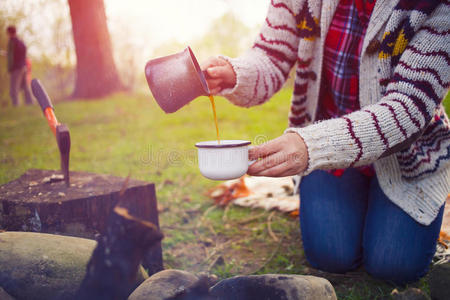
x=211, y=98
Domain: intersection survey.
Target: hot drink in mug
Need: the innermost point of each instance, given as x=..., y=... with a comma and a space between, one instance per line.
x=227, y=160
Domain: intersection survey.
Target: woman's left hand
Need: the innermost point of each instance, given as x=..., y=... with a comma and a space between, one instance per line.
x=284, y=156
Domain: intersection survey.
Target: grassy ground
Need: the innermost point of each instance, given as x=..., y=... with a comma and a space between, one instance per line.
x=130, y=134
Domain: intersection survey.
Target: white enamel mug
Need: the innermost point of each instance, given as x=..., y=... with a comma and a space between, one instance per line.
x=224, y=161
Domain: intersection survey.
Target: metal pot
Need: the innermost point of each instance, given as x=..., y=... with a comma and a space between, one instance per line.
x=175, y=80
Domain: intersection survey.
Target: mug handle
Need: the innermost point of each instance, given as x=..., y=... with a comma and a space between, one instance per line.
x=250, y=162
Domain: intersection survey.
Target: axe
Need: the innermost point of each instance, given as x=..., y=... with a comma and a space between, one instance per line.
x=60, y=131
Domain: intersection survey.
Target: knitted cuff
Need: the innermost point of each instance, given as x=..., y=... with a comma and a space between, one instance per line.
x=242, y=92
x=328, y=148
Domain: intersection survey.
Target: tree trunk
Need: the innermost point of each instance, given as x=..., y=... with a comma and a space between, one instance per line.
x=96, y=72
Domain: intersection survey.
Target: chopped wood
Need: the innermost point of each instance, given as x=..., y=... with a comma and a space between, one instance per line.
x=112, y=269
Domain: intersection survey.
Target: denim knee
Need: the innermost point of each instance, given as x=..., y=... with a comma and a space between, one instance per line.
x=396, y=272
x=332, y=260
x=396, y=247
x=332, y=219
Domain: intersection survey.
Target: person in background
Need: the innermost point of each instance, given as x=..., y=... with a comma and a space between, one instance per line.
x=28, y=76
x=17, y=67
x=367, y=129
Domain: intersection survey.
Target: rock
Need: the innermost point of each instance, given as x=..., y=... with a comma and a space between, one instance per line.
x=438, y=281
x=163, y=285
x=4, y=295
x=409, y=294
x=44, y=266
x=274, y=286
x=199, y=290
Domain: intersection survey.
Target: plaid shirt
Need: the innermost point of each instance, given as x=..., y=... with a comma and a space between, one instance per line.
x=343, y=44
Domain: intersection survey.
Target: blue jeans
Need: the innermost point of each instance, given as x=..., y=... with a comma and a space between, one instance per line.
x=348, y=221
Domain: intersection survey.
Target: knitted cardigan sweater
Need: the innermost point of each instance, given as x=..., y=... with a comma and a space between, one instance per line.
x=404, y=73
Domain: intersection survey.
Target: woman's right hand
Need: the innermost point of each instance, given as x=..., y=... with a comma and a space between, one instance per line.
x=219, y=74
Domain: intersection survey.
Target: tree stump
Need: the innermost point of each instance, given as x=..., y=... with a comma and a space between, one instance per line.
x=36, y=202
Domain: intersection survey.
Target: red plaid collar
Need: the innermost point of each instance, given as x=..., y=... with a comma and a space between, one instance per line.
x=343, y=44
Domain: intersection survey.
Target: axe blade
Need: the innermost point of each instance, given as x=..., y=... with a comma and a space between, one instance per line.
x=63, y=139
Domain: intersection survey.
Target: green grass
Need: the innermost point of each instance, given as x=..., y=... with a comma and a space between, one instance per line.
x=130, y=134
x=447, y=104
x=127, y=134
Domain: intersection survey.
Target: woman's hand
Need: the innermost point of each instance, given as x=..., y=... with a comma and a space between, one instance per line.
x=220, y=74
x=284, y=156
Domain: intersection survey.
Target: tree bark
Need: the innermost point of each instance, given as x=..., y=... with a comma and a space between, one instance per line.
x=96, y=72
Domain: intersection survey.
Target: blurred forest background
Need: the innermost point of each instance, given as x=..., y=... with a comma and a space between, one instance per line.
x=46, y=28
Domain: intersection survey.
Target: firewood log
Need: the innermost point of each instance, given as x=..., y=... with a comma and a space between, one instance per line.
x=115, y=261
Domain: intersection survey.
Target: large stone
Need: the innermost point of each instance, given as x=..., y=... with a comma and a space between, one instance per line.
x=163, y=285
x=438, y=280
x=44, y=266
x=274, y=286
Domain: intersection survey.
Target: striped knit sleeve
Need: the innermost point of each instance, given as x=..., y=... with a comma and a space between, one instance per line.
x=263, y=69
x=414, y=91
